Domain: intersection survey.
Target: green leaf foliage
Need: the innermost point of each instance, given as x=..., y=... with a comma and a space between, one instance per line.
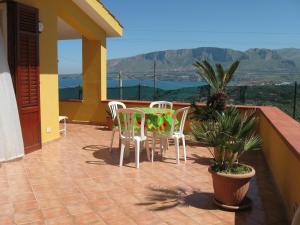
x=218, y=81
x=230, y=133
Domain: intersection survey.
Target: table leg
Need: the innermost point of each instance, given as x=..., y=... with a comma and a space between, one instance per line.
x=153, y=146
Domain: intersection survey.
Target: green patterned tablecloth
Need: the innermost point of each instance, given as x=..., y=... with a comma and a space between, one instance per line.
x=156, y=120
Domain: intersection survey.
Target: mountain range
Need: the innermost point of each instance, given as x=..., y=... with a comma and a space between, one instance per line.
x=257, y=65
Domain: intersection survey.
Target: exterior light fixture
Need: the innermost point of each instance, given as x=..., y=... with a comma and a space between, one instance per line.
x=41, y=27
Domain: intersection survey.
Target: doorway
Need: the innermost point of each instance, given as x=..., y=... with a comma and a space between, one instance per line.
x=23, y=59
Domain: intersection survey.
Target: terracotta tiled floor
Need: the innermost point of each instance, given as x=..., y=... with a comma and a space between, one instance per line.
x=75, y=180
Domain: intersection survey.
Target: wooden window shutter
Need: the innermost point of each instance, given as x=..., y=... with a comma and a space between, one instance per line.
x=28, y=57
x=23, y=56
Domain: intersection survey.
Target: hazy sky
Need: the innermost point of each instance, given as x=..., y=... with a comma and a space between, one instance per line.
x=174, y=24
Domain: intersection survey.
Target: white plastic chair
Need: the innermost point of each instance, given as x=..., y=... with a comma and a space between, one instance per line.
x=128, y=133
x=161, y=104
x=176, y=133
x=64, y=128
x=113, y=107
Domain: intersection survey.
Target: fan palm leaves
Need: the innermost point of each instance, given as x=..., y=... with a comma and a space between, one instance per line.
x=218, y=79
x=230, y=132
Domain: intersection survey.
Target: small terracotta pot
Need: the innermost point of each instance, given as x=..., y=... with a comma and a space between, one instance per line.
x=109, y=122
x=231, y=189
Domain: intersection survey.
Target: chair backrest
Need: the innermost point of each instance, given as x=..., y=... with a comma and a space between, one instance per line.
x=114, y=106
x=128, y=120
x=161, y=104
x=296, y=219
x=180, y=115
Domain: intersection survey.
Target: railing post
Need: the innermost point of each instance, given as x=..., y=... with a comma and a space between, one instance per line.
x=139, y=90
x=120, y=85
x=80, y=92
x=200, y=89
x=243, y=90
x=295, y=100
x=154, y=80
x=208, y=91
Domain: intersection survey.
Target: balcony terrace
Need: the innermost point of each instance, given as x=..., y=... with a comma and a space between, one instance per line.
x=76, y=180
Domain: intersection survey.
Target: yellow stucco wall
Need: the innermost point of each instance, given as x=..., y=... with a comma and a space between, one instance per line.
x=94, y=60
x=285, y=166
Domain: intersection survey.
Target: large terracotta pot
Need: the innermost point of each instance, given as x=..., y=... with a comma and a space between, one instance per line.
x=231, y=189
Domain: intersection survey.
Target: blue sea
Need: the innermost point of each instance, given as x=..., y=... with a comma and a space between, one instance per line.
x=166, y=85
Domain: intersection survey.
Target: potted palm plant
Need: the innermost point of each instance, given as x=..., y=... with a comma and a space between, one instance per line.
x=229, y=135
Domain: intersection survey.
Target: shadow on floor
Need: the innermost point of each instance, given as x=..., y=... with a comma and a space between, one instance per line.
x=194, y=158
x=267, y=207
x=103, y=156
x=201, y=160
x=102, y=153
x=166, y=198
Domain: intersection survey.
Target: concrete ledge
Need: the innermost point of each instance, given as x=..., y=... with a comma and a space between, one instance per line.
x=136, y=102
x=287, y=127
x=281, y=145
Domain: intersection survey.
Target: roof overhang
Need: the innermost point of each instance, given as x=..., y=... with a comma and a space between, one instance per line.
x=101, y=16
x=66, y=31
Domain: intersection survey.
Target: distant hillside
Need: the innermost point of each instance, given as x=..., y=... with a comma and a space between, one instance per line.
x=256, y=64
x=291, y=54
